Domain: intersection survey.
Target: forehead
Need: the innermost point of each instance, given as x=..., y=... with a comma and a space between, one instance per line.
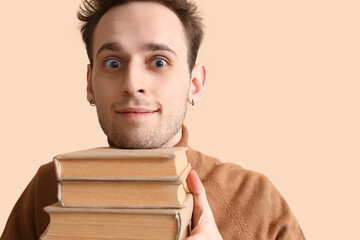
x=136, y=23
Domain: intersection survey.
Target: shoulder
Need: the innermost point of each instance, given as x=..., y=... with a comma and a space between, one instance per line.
x=45, y=193
x=232, y=180
x=45, y=184
x=211, y=168
x=28, y=211
x=245, y=203
x=46, y=172
x=45, y=180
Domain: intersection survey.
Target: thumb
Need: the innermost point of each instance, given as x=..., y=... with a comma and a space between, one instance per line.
x=202, y=211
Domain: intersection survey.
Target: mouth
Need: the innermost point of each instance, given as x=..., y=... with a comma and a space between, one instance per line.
x=136, y=113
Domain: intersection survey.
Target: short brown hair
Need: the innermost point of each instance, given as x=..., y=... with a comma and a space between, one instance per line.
x=91, y=12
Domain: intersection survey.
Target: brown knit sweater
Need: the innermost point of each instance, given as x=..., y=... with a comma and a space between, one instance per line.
x=245, y=204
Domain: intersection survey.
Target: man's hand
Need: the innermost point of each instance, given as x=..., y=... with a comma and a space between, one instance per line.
x=203, y=220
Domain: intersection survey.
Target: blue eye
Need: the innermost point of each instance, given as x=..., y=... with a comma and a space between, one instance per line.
x=112, y=63
x=158, y=63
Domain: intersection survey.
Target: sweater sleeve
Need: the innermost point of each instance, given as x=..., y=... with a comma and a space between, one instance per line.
x=246, y=205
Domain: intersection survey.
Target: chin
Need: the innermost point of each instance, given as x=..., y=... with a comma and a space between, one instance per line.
x=144, y=135
x=137, y=140
x=134, y=144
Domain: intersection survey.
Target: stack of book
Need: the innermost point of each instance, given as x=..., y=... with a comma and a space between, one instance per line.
x=108, y=193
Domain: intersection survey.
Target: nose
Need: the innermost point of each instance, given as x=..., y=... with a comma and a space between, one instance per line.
x=134, y=79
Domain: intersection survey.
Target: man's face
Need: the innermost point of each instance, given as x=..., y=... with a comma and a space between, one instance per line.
x=140, y=77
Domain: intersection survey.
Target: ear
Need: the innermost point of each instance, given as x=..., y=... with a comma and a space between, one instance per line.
x=198, y=76
x=89, y=88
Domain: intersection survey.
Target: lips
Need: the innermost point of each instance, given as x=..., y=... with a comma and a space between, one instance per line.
x=135, y=113
x=136, y=110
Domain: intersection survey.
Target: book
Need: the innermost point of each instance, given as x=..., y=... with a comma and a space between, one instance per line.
x=129, y=224
x=104, y=163
x=124, y=194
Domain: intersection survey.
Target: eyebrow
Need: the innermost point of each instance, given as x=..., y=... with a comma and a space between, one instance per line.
x=152, y=47
x=112, y=46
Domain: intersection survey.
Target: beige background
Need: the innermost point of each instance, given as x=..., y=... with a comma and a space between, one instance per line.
x=282, y=98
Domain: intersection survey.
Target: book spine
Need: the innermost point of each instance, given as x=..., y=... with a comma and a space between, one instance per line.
x=57, y=165
x=60, y=198
x=178, y=218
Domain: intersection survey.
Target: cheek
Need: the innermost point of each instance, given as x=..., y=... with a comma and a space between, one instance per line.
x=175, y=85
x=172, y=94
x=104, y=89
x=103, y=94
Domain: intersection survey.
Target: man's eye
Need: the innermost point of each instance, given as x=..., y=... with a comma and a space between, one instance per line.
x=112, y=63
x=158, y=63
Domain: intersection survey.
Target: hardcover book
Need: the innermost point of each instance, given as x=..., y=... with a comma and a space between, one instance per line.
x=120, y=224
x=124, y=194
x=104, y=163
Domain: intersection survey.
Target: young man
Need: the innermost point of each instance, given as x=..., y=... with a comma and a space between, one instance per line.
x=141, y=76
